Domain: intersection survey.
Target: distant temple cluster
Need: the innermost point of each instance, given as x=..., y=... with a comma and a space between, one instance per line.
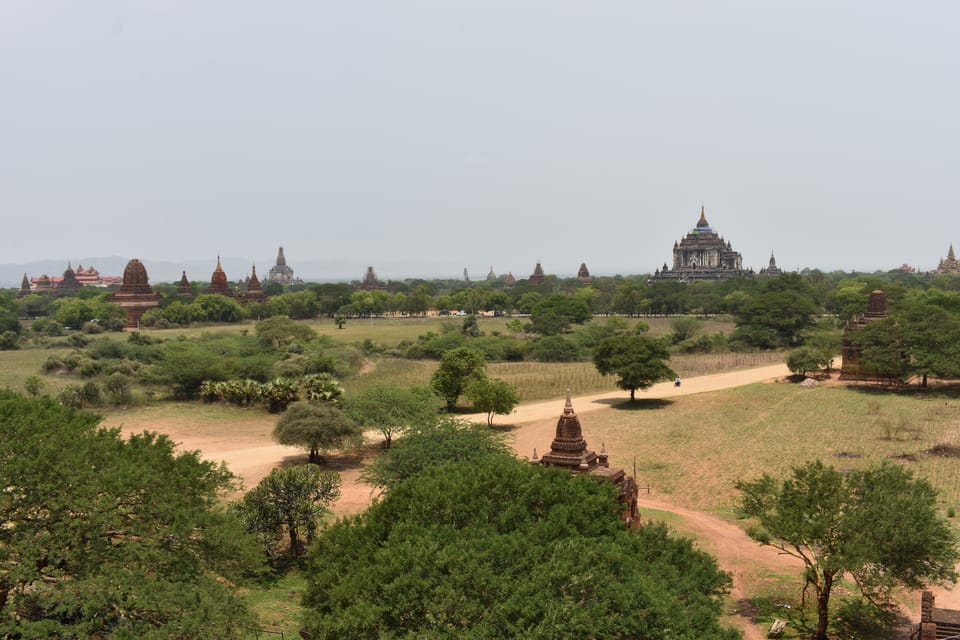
x=702, y=254
x=72, y=280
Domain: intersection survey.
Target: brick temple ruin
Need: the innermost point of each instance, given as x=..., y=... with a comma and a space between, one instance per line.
x=935, y=623
x=850, y=352
x=136, y=296
x=569, y=451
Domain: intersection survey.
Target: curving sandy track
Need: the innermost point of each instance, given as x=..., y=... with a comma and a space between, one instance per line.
x=252, y=456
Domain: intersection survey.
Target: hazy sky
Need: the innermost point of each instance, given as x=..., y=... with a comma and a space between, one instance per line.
x=450, y=134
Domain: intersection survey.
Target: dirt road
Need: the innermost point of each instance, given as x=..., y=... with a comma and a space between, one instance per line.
x=251, y=455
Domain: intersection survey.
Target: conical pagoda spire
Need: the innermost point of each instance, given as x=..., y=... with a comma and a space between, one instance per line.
x=702, y=222
x=24, y=287
x=950, y=254
x=218, y=282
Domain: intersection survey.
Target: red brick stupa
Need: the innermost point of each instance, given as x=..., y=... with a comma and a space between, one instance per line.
x=537, y=276
x=135, y=294
x=583, y=275
x=184, y=290
x=218, y=282
x=254, y=292
x=569, y=451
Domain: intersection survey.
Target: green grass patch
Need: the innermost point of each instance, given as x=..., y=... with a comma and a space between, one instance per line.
x=277, y=605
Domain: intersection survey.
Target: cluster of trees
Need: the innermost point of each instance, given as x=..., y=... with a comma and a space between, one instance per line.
x=463, y=371
x=111, y=536
x=920, y=339
x=467, y=541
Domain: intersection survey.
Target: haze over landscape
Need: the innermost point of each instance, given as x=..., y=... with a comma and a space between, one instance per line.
x=425, y=137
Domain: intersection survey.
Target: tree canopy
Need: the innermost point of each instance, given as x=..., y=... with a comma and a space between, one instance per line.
x=492, y=397
x=457, y=368
x=443, y=442
x=291, y=501
x=316, y=426
x=503, y=548
x=878, y=525
x=636, y=360
x=280, y=331
x=393, y=409
x=106, y=536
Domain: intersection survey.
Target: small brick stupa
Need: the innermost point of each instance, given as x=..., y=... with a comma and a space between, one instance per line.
x=569, y=451
x=583, y=275
x=184, y=290
x=218, y=282
x=537, y=276
x=135, y=294
x=254, y=292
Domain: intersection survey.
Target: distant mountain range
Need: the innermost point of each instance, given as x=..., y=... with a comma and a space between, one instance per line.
x=160, y=271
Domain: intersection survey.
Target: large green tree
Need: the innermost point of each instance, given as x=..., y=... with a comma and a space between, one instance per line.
x=432, y=445
x=557, y=312
x=112, y=536
x=919, y=339
x=392, y=409
x=492, y=397
x=458, y=367
x=505, y=549
x=289, y=500
x=638, y=361
x=879, y=525
x=316, y=426
x=775, y=318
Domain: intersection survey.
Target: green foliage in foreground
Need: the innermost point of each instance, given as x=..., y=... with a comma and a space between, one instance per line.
x=506, y=549
x=879, y=525
x=288, y=501
x=433, y=445
x=111, y=537
x=393, y=409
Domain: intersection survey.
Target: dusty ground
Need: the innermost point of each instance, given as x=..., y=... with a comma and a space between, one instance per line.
x=250, y=454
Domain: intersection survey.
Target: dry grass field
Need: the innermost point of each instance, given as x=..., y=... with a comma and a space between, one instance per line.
x=694, y=448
